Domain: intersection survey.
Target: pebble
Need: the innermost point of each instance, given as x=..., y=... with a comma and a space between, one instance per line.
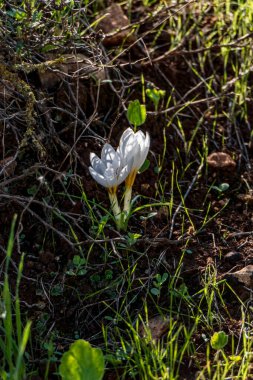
x=244, y=276
x=233, y=257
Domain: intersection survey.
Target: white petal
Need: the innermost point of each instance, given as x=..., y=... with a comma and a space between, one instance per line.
x=143, y=152
x=140, y=137
x=110, y=175
x=98, y=177
x=126, y=134
x=97, y=164
x=92, y=155
x=116, y=161
x=138, y=159
x=128, y=149
x=123, y=174
x=130, y=144
x=108, y=154
x=142, y=160
x=146, y=146
x=147, y=140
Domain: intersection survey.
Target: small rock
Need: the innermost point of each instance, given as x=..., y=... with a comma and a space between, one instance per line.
x=221, y=160
x=249, y=260
x=243, y=276
x=50, y=79
x=112, y=24
x=156, y=327
x=73, y=66
x=246, y=198
x=233, y=257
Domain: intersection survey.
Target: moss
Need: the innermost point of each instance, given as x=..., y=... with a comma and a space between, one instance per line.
x=43, y=66
x=26, y=91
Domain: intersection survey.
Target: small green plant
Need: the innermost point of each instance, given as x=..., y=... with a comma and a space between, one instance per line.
x=52, y=356
x=132, y=238
x=77, y=266
x=219, y=340
x=57, y=290
x=155, y=94
x=221, y=188
x=82, y=362
x=158, y=283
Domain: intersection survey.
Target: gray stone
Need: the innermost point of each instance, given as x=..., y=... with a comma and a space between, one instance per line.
x=233, y=257
x=244, y=276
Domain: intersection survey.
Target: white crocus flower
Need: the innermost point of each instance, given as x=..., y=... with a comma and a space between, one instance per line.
x=133, y=148
x=110, y=171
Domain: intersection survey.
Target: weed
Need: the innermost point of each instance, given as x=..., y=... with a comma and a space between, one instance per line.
x=15, y=336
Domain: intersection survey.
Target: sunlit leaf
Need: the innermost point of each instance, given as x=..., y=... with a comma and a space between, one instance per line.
x=136, y=113
x=219, y=340
x=82, y=362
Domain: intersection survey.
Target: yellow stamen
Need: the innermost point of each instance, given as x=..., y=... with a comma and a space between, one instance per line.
x=131, y=178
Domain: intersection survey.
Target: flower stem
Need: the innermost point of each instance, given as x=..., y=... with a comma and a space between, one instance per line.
x=127, y=201
x=116, y=209
x=128, y=195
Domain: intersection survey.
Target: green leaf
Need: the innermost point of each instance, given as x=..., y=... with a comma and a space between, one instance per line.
x=17, y=14
x=56, y=290
x=82, y=362
x=81, y=272
x=76, y=260
x=219, y=340
x=145, y=166
x=112, y=359
x=221, y=188
x=157, y=169
x=132, y=238
x=164, y=277
x=136, y=113
x=108, y=274
x=224, y=187
x=155, y=291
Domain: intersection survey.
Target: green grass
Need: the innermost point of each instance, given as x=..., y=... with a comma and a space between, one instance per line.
x=15, y=335
x=190, y=323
